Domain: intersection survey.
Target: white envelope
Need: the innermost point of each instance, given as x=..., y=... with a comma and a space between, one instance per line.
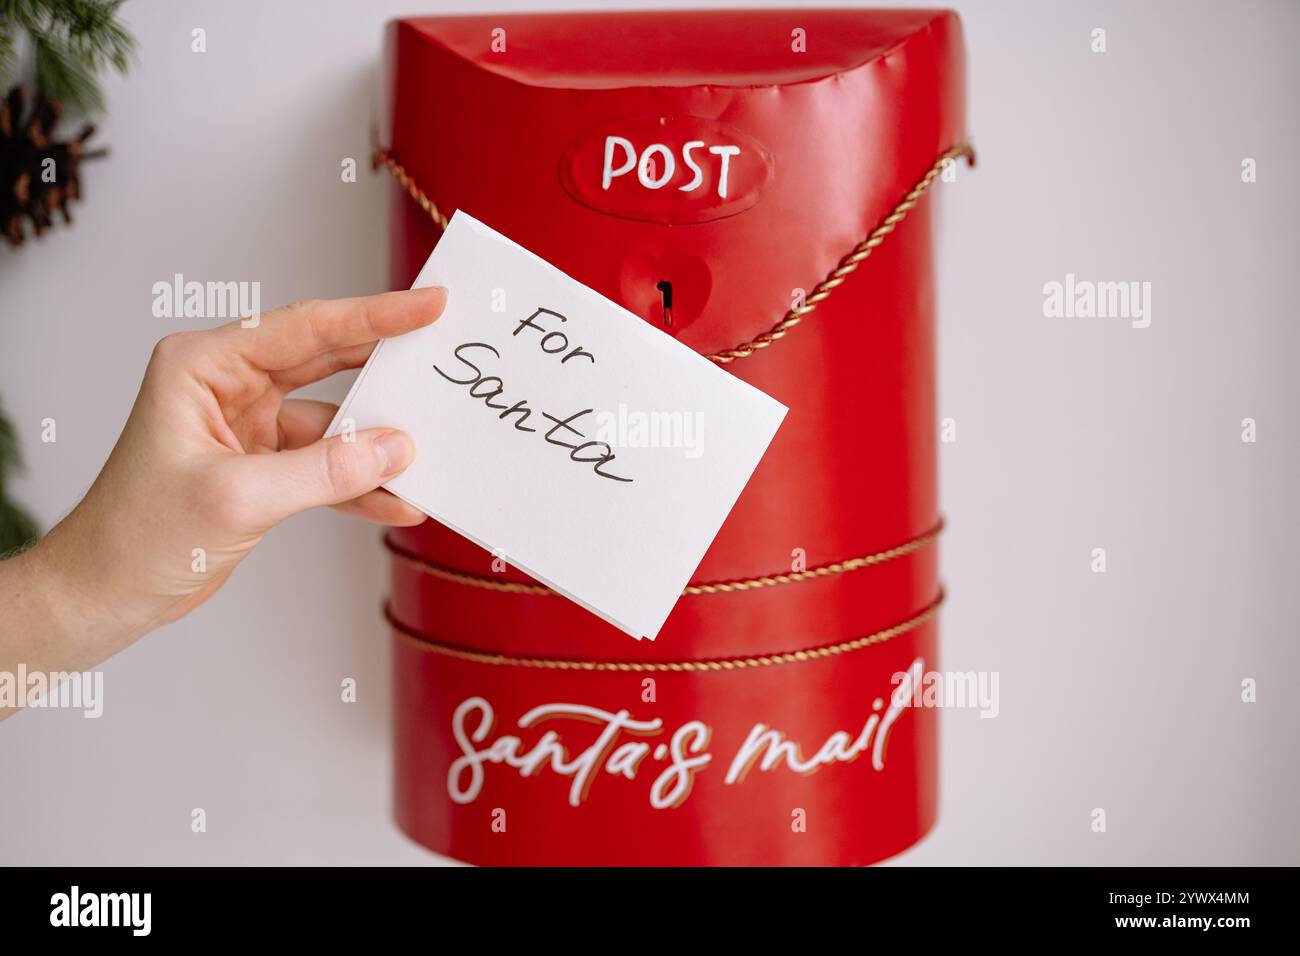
x=639, y=445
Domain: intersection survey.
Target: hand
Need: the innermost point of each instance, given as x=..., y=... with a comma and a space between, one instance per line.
x=211, y=457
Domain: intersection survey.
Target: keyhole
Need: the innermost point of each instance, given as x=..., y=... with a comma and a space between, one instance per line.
x=666, y=290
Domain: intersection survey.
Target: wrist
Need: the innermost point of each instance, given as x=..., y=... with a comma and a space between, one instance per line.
x=85, y=616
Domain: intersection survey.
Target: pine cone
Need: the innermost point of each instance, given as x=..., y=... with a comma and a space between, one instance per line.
x=30, y=187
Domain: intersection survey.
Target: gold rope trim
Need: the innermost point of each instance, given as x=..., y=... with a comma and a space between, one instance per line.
x=849, y=263
x=714, y=587
x=725, y=664
x=846, y=266
x=385, y=158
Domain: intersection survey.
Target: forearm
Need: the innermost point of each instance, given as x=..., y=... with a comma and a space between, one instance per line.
x=211, y=457
x=53, y=621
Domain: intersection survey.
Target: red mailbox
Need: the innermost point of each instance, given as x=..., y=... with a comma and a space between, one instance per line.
x=726, y=175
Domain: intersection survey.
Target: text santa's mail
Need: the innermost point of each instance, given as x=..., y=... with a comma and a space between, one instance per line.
x=560, y=431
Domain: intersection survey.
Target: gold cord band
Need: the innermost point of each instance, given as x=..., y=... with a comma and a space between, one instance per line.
x=714, y=587
x=849, y=263
x=383, y=157
x=723, y=664
x=819, y=294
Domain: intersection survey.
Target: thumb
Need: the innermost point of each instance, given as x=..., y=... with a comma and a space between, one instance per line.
x=327, y=472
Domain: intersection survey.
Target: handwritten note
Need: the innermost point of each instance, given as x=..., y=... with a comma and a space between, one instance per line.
x=560, y=431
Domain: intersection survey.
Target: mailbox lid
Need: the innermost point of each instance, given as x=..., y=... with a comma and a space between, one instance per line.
x=740, y=48
x=821, y=161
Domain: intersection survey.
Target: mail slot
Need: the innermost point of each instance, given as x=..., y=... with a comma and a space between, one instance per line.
x=715, y=173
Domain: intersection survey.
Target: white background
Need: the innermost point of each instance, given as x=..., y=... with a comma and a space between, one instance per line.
x=1119, y=691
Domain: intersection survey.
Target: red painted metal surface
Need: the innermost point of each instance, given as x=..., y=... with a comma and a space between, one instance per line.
x=828, y=141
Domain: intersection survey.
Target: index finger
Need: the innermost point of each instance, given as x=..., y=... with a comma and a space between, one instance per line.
x=291, y=335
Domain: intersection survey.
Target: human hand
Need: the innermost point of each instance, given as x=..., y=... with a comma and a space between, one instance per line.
x=211, y=457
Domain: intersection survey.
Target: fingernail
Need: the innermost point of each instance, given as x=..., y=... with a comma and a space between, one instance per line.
x=441, y=306
x=396, y=451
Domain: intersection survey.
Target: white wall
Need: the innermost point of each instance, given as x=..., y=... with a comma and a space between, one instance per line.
x=1118, y=691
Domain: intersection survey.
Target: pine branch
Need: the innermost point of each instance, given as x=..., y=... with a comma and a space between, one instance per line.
x=11, y=456
x=17, y=528
x=72, y=42
x=93, y=33
x=8, y=51
x=61, y=76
